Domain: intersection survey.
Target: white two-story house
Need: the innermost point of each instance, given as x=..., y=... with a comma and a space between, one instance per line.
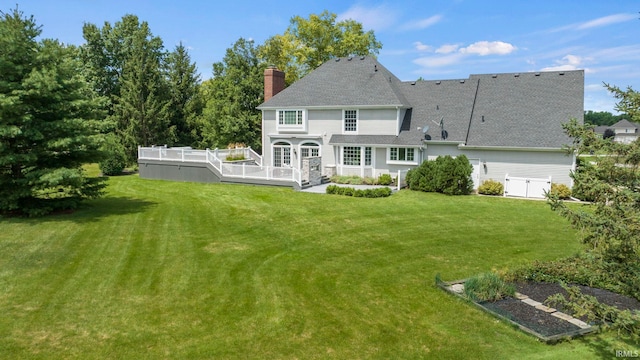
x=362, y=120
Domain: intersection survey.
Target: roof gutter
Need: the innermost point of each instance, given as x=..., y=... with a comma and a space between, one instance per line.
x=511, y=148
x=333, y=107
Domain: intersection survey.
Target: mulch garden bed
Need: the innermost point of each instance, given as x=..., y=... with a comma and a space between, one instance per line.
x=540, y=323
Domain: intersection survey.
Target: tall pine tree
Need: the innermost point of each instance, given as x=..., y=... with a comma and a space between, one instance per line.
x=125, y=63
x=46, y=127
x=184, y=103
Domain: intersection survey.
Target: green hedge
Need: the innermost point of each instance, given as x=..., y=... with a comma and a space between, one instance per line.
x=367, y=193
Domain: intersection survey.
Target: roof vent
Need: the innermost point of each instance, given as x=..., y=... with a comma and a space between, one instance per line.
x=350, y=58
x=562, y=73
x=413, y=83
x=494, y=76
x=375, y=67
x=516, y=75
x=462, y=81
x=438, y=82
x=537, y=74
x=361, y=57
x=337, y=59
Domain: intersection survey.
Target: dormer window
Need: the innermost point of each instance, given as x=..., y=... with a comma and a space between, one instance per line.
x=291, y=120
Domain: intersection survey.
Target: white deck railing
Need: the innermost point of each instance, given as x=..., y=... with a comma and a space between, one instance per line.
x=217, y=159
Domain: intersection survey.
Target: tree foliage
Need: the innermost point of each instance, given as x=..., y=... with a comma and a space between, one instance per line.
x=611, y=228
x=230, y=114
x=605, y=118
x=46, y=127
x=308, y=43
x=445, y=174
x=629, y=101
x=184, y=104
x=128, y=65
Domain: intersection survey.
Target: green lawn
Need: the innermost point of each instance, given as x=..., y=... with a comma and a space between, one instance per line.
x=162, y=269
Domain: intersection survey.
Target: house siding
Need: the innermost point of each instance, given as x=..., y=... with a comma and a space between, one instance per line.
x=377, y=121
x=530, y=164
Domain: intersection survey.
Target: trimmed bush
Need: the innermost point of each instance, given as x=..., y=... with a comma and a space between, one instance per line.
x=115, y=157
x=491, y=187
x=447, y=175
x=385, y=179
x=562, y=191
x=366, y=193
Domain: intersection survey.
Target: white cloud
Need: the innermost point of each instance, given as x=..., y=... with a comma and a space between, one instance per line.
x=421, y=47
x=484, y=48
x=447, y=48
x=599, y=22
x=606, y=20
x=372, y=18
x=567, y=63
x=439, y=61
x=423, y=23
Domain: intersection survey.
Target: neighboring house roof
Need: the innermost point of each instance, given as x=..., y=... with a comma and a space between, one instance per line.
x=624, y=123
x=500, y=110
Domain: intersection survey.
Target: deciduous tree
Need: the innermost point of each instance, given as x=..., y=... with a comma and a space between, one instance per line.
x=232, y=95
x=308, y=43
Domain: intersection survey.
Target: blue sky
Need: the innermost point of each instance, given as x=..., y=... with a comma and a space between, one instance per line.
x=437, y=39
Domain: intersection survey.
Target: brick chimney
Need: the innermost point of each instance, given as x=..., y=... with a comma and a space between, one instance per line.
x=273, y=82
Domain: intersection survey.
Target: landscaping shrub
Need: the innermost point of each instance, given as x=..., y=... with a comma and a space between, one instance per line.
x=491, y=187
x=445, y=174
x=487, y=287
x=562, y=191
x=607, y=316
x=366, y=193
x=385, y=179
x=347, y=179
x=583, y=269
x=115, y=156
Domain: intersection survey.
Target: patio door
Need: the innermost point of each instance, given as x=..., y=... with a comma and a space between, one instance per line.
x=281, y=154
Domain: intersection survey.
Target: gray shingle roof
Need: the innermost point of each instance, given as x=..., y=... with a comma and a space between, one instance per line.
x=526, y=110
x=500, y=110
x=624, y=123
x=357, y=81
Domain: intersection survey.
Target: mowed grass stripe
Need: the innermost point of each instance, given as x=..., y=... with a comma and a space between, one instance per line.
x=175, y=270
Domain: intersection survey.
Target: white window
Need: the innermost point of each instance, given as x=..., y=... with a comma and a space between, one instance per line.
x=292, y=120
x=281, y=154
x=309, y=149
x=350, y=121
x=367, y=156
x=351, y=156
x=402, y=154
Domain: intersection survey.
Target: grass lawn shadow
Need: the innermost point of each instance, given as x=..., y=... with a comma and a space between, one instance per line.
x=93, y=210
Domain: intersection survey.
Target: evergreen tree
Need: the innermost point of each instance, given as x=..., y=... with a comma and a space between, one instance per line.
x=184, y=104
x=125, y=63
x=142, y=109
x=46, y=127
x=611, y=227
